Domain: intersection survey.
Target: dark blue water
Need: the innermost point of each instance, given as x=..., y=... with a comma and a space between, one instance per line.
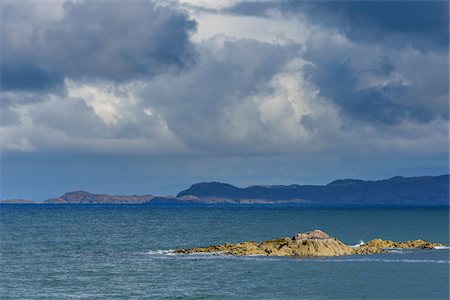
x=107, y=251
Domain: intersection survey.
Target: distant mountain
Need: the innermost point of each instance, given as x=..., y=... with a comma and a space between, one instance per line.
x=82, y=197
x=16, y=201
x=425, y=190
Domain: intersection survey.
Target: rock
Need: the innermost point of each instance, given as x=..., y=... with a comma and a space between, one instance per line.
x=417, y=244
x=313, y=243
x=315, y=234
x=244, y=248
x=368, y=250
x=377, y=244
x=321, y=247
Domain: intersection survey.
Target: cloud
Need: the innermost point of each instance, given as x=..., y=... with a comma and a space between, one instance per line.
x=77, y=122
x=199, y=105
x=395, y=22
x=379, y=84
x=118, y=41
x=242, y=97
x=147, y=96
x=300, y=87
x=365, y=55
x=408, y=22
x=368, y=69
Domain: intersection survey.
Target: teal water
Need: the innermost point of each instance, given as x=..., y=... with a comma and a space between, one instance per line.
x=120, y=251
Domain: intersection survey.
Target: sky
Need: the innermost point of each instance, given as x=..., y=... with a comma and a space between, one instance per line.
x=149, y=97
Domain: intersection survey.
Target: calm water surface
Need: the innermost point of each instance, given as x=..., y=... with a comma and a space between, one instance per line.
x=119, y=251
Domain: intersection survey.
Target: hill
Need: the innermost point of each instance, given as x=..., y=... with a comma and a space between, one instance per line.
x=424, y=190
x=410, y=191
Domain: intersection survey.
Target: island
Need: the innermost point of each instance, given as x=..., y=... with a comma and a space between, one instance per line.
x=313, y=243
x=16, y=201
x=395, y=191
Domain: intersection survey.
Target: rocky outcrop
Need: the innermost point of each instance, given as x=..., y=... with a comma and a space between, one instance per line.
x=312, y=235
x=379, y=245
x=313, y=243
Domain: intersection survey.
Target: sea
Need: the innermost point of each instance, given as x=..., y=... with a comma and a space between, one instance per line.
x=126, y=252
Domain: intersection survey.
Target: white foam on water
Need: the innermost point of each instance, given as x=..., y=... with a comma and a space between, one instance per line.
x=361, y=242
x=332, y=260
x=162, y=252
x=218, y=253
x=441, y=247
x=397, y=251
x=171, y=252
x=212, y=255
x=383, y=260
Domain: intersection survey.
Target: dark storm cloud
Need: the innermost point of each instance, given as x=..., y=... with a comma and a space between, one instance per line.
x=422, y=24
x=381, y=84
x=419, y=23
x=385, y=104
x=383, y=66
x=338, y=82
x=412, y=85
x=114, y=41
x=26, y=75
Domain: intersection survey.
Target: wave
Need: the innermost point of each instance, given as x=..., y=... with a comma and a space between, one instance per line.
x=172, y=252
x=396, y=250
x=161, y=252
x=392, y=250
x=441, y=247
x=370, y=259
x=213, y=255
x=361, y=242
x=384, y=260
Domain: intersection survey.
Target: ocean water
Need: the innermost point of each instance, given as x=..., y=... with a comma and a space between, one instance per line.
x=123, y=252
